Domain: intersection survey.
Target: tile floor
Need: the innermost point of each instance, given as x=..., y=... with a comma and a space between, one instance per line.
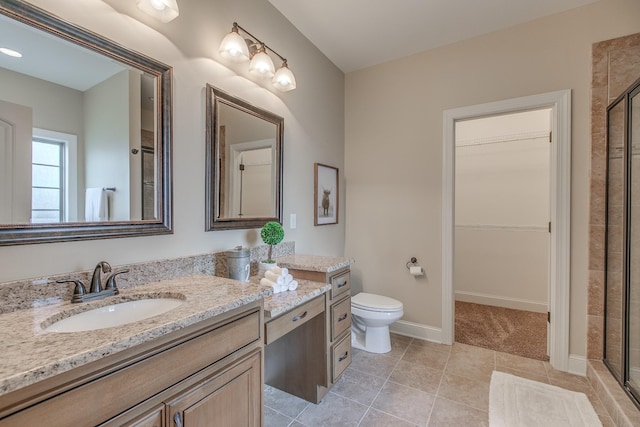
x=418, y=383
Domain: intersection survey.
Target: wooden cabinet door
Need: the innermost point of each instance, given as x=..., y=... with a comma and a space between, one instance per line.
x=229, y=398
x=153, y=419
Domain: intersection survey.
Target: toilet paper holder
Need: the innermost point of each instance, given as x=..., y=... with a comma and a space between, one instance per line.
x=412, y=261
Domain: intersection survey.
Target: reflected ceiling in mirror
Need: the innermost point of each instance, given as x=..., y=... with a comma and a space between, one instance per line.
x=244, y=163
x=85, y=126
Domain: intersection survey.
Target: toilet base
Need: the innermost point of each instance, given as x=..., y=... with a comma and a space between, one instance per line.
x=372, y=339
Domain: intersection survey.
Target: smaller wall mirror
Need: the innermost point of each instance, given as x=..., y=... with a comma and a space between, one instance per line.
x=244, y=164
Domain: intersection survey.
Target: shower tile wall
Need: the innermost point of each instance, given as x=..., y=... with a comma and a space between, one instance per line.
x=616, y=64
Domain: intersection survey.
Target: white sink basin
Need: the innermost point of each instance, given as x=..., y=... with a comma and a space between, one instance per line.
x=114, y=315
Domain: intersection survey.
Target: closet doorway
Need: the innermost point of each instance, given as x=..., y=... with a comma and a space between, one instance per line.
x=502, y=233
x=560, y=212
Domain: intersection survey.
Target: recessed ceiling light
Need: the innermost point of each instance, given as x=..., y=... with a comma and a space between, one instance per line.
x=10, y=52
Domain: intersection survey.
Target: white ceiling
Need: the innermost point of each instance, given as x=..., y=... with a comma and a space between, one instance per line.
x=355, y=34
x=52, y=59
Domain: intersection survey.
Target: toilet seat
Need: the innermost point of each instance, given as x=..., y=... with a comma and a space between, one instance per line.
x=372, y=302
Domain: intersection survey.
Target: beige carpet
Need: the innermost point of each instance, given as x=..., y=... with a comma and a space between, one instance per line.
x=515, y=401
x=523, y=333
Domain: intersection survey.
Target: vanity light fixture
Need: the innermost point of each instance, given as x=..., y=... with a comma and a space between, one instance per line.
x=163, y=10
x=10, y=52
x=239, y=49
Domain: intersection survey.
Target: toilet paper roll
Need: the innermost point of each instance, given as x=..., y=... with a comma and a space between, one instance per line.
x=416, y=270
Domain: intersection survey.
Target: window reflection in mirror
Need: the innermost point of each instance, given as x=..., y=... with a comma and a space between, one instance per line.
x=244, y=173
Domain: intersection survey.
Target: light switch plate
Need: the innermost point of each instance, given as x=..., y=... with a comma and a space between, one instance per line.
x=292, y=221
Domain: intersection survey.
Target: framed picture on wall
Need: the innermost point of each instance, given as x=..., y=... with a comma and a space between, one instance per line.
x=325, y=195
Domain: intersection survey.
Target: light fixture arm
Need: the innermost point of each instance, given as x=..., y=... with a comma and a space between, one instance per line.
x=261, y=43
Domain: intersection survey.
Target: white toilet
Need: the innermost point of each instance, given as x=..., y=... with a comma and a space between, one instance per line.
x=371, y=316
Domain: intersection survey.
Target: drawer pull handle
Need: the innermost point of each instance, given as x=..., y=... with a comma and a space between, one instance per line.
x=344, y=317
x=344, y=356
x=177, y=419
x=302, y=316
x=342, y=285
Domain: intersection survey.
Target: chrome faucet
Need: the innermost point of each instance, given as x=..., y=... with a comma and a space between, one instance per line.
x=96, y=291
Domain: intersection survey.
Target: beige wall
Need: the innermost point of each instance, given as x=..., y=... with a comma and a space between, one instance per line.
x=313, y=128
x=393, y=145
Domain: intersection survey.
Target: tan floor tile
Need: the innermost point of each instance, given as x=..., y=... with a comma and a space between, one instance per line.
x=432, y=345
x=275, y=419
x=416, y=376
x=505, y=360
x=398, y=347
x=373, y=364
x=555, y=375
x=404, y=402
x=426, y=356
x=284, y=403
x=606, y=421
x=465, y=390
x=375, y=418
x=471, y=362
x=358, y=386
x=451, y=414
x=333, y=411
x=402, y=338
x=541, y=378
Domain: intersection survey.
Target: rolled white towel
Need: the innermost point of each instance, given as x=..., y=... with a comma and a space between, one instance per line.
x=287, y=279
x=266, y=282
x=274, y=277
x=276, y=270
x=293, y=285
x=282, y=288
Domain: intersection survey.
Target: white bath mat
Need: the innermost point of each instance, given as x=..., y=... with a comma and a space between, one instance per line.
x=518, y=402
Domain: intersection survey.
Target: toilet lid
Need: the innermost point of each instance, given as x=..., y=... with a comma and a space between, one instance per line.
x=375, y=302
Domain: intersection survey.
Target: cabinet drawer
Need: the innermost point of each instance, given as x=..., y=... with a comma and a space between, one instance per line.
x=341, y=356
x=292, y=319
x=340, y=283
x=340, y=317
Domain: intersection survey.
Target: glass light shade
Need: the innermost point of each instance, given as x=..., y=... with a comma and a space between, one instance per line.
x=234, y=48
x=262, y=65
x=163, y=10
x=284, y=79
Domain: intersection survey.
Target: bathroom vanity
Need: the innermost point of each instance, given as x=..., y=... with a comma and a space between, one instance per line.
x=197, y=365
x=308, y=331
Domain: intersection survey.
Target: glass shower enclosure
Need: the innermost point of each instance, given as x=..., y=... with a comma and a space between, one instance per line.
x=622, y=261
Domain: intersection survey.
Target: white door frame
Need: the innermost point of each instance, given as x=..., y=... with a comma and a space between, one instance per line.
x=560, y=207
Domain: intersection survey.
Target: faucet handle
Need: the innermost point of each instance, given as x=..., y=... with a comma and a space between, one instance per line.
x=111, y=281
x=78, y=291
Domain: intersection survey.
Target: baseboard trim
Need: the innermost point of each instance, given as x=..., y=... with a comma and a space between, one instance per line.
x=506, y=302
x=417, y=330
x=577, y=365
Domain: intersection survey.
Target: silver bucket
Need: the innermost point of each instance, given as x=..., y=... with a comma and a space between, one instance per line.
x=238, y=265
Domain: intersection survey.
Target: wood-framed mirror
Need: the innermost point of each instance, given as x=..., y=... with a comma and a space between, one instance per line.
x=76, y=113
x=243, y=163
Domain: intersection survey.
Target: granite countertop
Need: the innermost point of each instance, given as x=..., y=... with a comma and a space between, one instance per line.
x=282, y=302
x=30, y=354
x=323, y=264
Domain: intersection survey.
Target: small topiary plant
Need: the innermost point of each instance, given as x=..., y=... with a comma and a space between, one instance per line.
x=272, y=233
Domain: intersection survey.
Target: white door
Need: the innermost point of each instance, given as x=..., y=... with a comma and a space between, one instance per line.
x=16, y=123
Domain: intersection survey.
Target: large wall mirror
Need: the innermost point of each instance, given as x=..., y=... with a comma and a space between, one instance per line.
x=85, y=133
x=244, y=164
